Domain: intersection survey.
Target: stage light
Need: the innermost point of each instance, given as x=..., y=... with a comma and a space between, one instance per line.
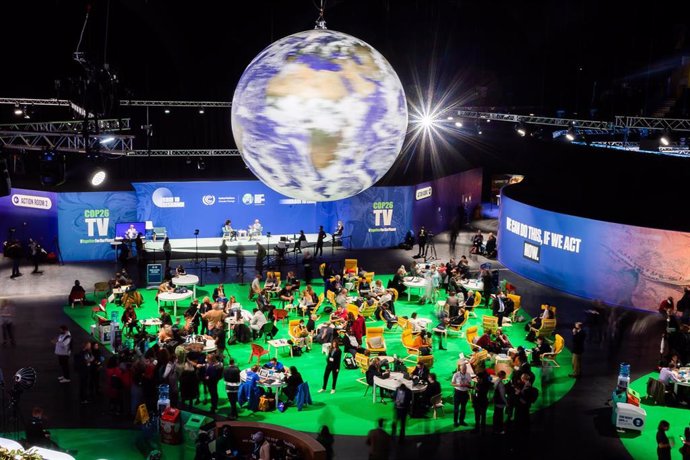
x=166, y=111
x=521, y=132
x=107, y=140
x=18, y=110
x=201, y=111
x=98, y=178
x=200, y=164
x=665, y=138
x=188, y=160
x=570, y=134
x=426, y=121
x=25, y=378
x=458, y=124
x=449, y=118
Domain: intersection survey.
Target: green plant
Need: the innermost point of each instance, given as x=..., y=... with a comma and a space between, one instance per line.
x=6, y=454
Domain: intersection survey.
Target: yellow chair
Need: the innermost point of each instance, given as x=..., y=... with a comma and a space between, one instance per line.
x=316, y=307
x=375, y=342
x=407, y=339
x=370, y=277
x=477, y=299
x=550, y=307
x=352, y=308
x=403, y=323
x=470, y=336
x=350, y=267
x=516, y=305
x=458, y=327
x=489, y=323
x=395, y=294
x=427, y=360
x=292, y=326
x=369, y=312
x=546, y=329
x=331, y=297
x=550, y=358
x=322, y=269
x=362, y=361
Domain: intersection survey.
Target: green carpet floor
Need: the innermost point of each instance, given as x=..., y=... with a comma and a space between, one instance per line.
x=348, y=411
x=643, y=445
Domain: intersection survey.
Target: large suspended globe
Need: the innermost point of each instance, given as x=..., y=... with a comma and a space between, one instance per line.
x=319, y=115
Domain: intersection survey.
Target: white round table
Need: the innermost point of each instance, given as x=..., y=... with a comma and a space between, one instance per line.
x=414, y=283
x=393, y=382
x=474, y=285
x=276, y=383
x=186, y=281
x=173, y=297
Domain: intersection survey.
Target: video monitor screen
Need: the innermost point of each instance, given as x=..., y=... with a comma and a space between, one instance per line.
x=123, y=229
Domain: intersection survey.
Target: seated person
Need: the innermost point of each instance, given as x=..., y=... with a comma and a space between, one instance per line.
x=219, y=294
x=232, y=305
x=292, y=281
x=257, y=322
x=502, y=341
x=388, y=316
x=228, y=231
x=421, y=372
x=377, y=289
x=274, y=364
x=377, y=368
x=349, y=342
x=324, y=333
x=286, y=294
x=271, y=283
x=308, y=299
x=432, y=389
x=535, y=323
x=255, y=287
x=77, y=294
x=398, y=281
x=303, y=335
x=364, y=288
x=36, y=433
x=339, y=316
x=165, y=334
x=422, y=342
x=459, y=319
x=541, y=348
x=668, y=375
x=180, y=271
x=293, y=381
x=452, y=304
x=262, y=301
x=341, y=298
x=418, y=325
x=129, y=319
x=164, y=316
x=165, y=286
x=486, y=343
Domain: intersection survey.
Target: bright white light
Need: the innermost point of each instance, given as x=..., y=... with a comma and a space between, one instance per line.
x=98, y=178
x=664, y=140
x=426, y=121
x=570, y=137
x=479, y=131
x=449, y=118
x=521, y=132
x=458, y=124
x=18, y=111
x=166, y=111
x=201, y=111
x=107, y=140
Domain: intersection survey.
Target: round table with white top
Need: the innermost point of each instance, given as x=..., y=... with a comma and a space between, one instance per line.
x=186, y=281
x=414, y=283
x=173, y=297
x=393, y=382
x=276, y=383
x=473, y=285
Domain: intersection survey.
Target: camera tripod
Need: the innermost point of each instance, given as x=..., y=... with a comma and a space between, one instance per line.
x=430, y=249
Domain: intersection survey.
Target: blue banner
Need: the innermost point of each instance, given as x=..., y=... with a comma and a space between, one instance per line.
x=86, y=223
x=182, y=207
x=28, y=214
x=617, y=264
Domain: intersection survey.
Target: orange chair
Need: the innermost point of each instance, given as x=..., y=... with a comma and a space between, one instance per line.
x=258, y=351
x=280, y=315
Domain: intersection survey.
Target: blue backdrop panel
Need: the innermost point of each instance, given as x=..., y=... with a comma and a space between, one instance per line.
x=618, y=264
x=182, y=207
x=377, y=217
x=86, y=222
x=32, y=213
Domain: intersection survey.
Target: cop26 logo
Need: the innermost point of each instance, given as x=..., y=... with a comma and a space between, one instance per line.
x=208, y=200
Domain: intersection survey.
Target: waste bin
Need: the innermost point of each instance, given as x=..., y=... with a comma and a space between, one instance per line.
x=171, y=427
x=193, y=426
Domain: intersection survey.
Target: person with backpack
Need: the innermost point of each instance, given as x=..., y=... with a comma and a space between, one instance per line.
x=526, y=396
x=402, y=400
x=63, y=350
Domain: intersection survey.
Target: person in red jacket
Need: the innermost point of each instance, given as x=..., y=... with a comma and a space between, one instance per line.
x=358, y=328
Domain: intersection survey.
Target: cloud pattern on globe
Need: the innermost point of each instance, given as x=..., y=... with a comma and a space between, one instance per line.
x=319, y=115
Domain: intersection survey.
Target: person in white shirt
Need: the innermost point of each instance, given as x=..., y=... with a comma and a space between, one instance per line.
x=257, y=322
x=131, y=233
x=255, y=288
x=341, y=298
x=668, y=375
x=418, y=324
x=63, y=349
x=462, y=382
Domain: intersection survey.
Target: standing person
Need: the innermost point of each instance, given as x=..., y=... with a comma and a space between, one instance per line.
x=487, y=281
x=231, y=375
x=302, y=238
x=685, y=449
x=82, y=365
x=500, y=401
x=319, y=241
x=462, y=382
x=7, y=322
x=63, y=349
x=212, y=375
x=326, y=439
x=13, y=250
x=167, y=250
x=36, y=252
x=579, y=337
x=332, y=366
x=260, y=256
x=379, y=442
x=239, y=254
x=139, y=244
x=307, y=260
x=223, y=255
x=663, y=444
x=421, y=241
x=402, y=400
x=527, y=395
x=480, y=402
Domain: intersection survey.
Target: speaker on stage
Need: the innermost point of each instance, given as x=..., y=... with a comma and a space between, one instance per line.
x=5, y=183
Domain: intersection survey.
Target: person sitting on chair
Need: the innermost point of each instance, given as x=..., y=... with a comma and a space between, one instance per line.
x=502, y=341
x=77, y=294
x=36, y=433
x=129, y=319
x=308, y=299
x=274, y=364
x=271, y=283
x=364, y=288
x=219, y=293
x=257, y=322
x=491, y=252
x=477, y=243
x=255, y=229
x=164, y=317
x=228, y=231
x=541, y=348
x=422, y=343
x=421, y=372
x=388, y=316
x=286, y=294
x=180, y=271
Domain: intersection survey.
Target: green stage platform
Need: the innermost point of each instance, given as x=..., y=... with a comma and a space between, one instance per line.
x=642, y=446
x=348, y=411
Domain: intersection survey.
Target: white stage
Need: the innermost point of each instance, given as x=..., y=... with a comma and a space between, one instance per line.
x=212, y=245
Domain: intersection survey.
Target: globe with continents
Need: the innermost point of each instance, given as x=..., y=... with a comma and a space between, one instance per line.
x=319, y=116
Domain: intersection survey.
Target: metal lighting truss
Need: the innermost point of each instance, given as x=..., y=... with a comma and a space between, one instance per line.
x=185, y=153
x=31, y=140
x=23, y=101
x=71, y=126
x=203, y=104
